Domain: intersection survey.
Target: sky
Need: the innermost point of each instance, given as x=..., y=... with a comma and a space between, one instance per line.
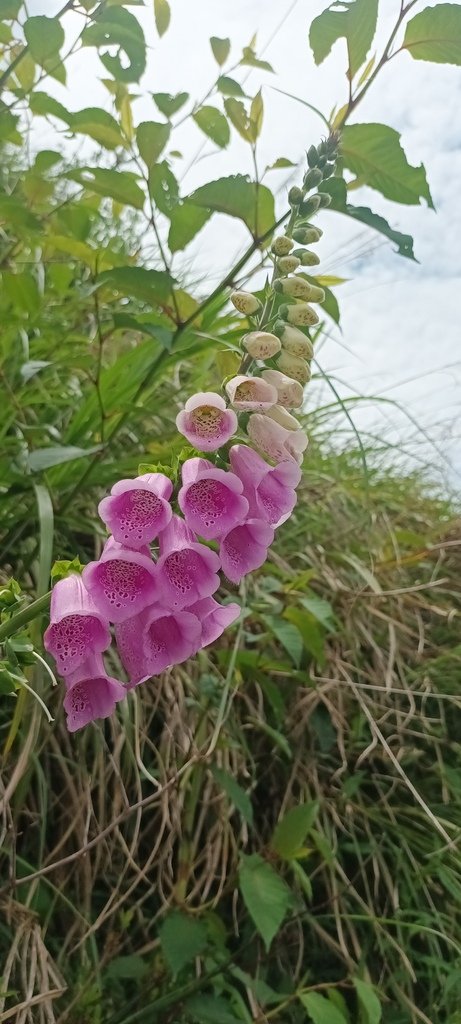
x=400, y=337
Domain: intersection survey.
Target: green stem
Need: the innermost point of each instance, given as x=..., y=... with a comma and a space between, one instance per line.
x=23, y=617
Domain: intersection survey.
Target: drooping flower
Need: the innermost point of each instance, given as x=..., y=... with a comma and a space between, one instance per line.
x=294, y=341
x=155, y=640
x=274, y=440
x=122, y=583
x=251, y=393
x=261, y=344
x=186, y=570
x=214, y=618
x=77, y=629
x=211, y=499
x=289, y=391
x=206, y=422
x=137, y=510
x=244, y=548
x=245, y=302
x=270, y=490
x=91, y=693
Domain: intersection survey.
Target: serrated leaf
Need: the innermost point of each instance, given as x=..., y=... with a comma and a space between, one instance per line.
x=185, y=223
x=151, y=286
x=168, y=104
x=370, y=1006
x=98, y=125
x=356, y=24
x=435, y=34
x=44, y=37
x=213, y=123
x=152, y=137
x=117, y=27
x=162, y=14
x=290, y=833
x=374, y=154
x=235, y=793
x=265, y=894
x=119, y=185
x=336, y=187
x=182, y=938
x=238, y=116
x=321, y=1010
x=163, y=187
x=46, y=106
x=280, y=163
x=249, y=59
x=229, y=87
x=238, y=197
x=221, y=49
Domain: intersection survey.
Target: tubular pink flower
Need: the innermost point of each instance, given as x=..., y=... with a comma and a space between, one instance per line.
x=77, y=629
x=186, y=570
x=251, y=393
x=270, y=491
x=122, y=583
x=214, y=618
x=290, y=392
x=211, y=499
x=137, y=510
x=91, y=694
x=155, y=640
x=206, y=422
x=274, y=440
x=244, y=548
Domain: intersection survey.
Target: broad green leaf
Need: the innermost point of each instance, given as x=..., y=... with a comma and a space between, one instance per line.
x=163, y=187
x=249, y=59
x=117, y=27
x=9, y=126
x=213, y=123
x=44, y=37
x=238, y=116
x=22, y=291
x=210, y=1010
x=185, y=223
x=336, y=187
x=321, y=1010
x=370, y=1006
x=182, y=938
x=9, y=9
x=99, y=125
x=220, y=48
x=14, y=212
x=290, y=833
x=317, y=606
x=119, y=185
x=374, y=154
x=256, y=116
x=311, y=634
x=100, y=259
x=235, y=793
x=44, y=458
x=229, y=87
x=287, y=635
x=152, y=137
x=162, y=15
x=354, y=21
x=47, y=106
x=151, y=286
x=46, y=159
x=435, y=34
x=126, y=967
x=239, y=197
x=168, y=104
x=265, y=894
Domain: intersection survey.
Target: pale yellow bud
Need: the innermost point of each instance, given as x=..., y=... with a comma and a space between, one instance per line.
x=297, y=287
x=280, y=415
x=282, y=245
x=302, y=315
x=294, y=341
x=261, y=344
x=317, y=294
x=289, y=392
x=287, y=264
x=294, y=367
x=245, y=302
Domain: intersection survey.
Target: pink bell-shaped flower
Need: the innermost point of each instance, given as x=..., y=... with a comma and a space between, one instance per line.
x=277, y=442
x=211, y=499
x=155, y=640
x=77, y=629
x=186, y=570
x=122, y=583
x=91, y=693
x=244, y=548
x=214, y=618
x=136, y=511
x=270, y=490
x=251, y=394
x=206, y=422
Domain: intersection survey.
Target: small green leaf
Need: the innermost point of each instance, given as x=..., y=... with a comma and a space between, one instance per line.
x=374, y=154
x=22, y=291
x=220, y=48
x=312, y=636
x=256, y=116
x=46, y=106
x=370, y=1006
x=168, y=104
x=163, y=187
x=182, y=938
x=185, y=223
x=119, y=185
x=210, y=1010
x=162, y=15
x=123, y=968
x=213, y=123
x=151, y=286
x=152, y=137
x=356, y=24
x=238, y=116
x=44, y=37
x=9, y=9
x=290, y=833
x=235, y=793
x=117, y=27
x=99, y=125
x=321, y=1010
x=435, y=34
x=16, y=213
x=265, y=894
x=238, y=197
x=288, y=636
x=280, y=163
x=249, y=59
x=229, y=87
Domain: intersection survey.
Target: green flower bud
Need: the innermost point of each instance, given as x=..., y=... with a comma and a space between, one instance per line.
x=307, y=236
x=328, y=170
x=321, y=162
x=296, y=343
x=312, y=178
x=312, y=156
x=261, y=344
x=324, y=200
x=287, y=264
x=316, y=294
x=310, y=206
x=297, y=287
x=245, y=302
x=296, y=195
x=281, y=245
x=331, y=144
x=306, y=257
x=301, y=315
x=294, y=367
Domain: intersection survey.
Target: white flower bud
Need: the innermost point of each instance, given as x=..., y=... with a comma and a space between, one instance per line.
x=261, y=344
x=294, y=367
x=289, y=392
x=280, y=415
x=294, y=341
x=245, y=302
x=287, y=264
x=302, y=315
x=298, y=288
x=282, y=245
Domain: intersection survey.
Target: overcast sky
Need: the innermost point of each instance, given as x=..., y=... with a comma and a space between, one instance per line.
x=400, y=320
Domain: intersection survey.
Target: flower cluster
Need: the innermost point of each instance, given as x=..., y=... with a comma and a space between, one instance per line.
x=153, y=587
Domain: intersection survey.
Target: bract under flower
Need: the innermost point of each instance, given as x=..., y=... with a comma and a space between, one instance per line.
x=77, y=629
x=244, y=548
x=211, y=499
x=186, y=570
x=251, y=393
x=122, y=583
x=137, y=510
x=270, y=490
x=206, y=422
x=91, y=694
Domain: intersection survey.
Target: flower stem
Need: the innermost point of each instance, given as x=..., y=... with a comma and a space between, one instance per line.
x=24, y=616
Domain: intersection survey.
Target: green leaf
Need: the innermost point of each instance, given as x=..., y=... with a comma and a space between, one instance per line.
x=151, y=286
x=336, y=187
x=210, y=1010
x=238, y=116
x=266, y=896
x=287, y=635
x=238, y=197
x=44, y=37
x=131, y=967
x=235, y=793
x=152, y=137
x=119, y=185
x=356, y=24
x=168, y=104
x=290, y=833
x=9, y=9
x=280, y=163
x=15, y=213
x=162, y=15
x=99, y=125
x=185, y=223
x=163, y=187
x=115, y=26
x=229, y=87
x=370, y=1006
x=374, y=154
x=221, y=49
x=320, y=609
x=22, y=291
x=46, y=159
x=46, y=106
x=256, y=116
x=311, y=634
x=182, y=938
x=435, y=34
x=213, y=123
x=249, y=59
x=44, y=458
x=321, y=1010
